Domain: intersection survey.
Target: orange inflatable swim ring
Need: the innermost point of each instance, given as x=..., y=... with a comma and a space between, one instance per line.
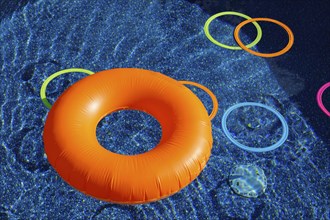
x=73, y=150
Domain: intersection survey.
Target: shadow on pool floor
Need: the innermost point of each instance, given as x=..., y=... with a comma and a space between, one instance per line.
x=305, y=68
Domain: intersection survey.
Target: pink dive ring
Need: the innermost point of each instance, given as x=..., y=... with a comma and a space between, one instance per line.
x=319, y=98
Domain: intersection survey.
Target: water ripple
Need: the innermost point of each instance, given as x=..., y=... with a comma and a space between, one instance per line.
x=166, y=36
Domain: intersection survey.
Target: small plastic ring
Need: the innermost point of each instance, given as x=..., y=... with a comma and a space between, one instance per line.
x=209, y=92
x=53, y=76
x=208, y=35
x=285, y=132
x=246, y=48
x=319, y=98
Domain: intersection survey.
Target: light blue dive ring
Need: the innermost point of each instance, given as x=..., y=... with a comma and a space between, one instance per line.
x=285, y=132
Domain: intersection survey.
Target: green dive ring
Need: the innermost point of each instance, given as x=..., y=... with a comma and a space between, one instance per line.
x=208, y=35
x=53, y=76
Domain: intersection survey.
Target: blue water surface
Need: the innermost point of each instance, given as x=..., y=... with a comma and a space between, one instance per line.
x=45, y=36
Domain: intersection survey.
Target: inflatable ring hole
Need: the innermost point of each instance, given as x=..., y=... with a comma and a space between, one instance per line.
x=128, y=132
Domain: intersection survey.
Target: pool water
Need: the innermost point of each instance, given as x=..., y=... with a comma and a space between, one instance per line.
x=41, y=37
